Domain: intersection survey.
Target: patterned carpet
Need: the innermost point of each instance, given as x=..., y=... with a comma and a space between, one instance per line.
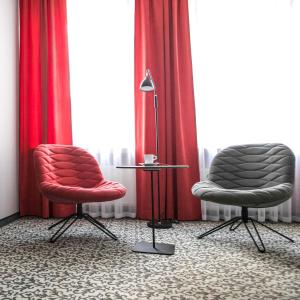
x=85, y=264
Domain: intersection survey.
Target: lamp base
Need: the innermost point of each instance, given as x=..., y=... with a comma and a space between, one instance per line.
x=161, y=224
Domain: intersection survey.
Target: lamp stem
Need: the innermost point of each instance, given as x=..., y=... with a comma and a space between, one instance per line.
x=157, y=148
x=156, y=124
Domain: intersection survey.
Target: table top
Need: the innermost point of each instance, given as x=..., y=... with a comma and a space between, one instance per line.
x=152, y=167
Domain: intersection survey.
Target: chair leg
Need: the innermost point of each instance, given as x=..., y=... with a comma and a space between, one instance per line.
x=286, y=237
x=60, y=221
x=78, y=215
x=262, y=248
x=58, y=233
x=234, y=228
x=245, y=220
x=225, y=224
x=100, y=226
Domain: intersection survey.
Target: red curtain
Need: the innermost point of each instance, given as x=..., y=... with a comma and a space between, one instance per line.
x=162, y=44
x=45, y=108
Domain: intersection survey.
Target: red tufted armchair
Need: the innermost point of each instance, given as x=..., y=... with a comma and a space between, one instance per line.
x=69, y=174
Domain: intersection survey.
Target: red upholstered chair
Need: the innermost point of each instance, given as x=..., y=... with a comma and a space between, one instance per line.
x=68, y=174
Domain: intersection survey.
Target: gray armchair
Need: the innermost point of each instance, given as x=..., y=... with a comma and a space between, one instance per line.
x=254, y=175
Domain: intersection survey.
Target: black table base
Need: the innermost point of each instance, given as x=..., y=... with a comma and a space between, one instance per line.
x=160, y=248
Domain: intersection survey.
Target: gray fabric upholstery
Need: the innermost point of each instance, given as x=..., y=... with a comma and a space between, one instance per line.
x=254, y=175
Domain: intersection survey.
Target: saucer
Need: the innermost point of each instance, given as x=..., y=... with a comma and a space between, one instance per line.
x=153, y=164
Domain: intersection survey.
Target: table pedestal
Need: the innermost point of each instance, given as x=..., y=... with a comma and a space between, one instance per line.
x=148, y=247
x=154, y=248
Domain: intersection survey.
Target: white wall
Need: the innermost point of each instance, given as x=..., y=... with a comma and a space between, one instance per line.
x=9, y=202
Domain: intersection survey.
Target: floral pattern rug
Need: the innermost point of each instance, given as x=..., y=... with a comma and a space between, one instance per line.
x=86, y=264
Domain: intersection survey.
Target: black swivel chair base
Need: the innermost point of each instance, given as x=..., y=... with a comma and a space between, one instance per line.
x=73, y=218
x=234, y=223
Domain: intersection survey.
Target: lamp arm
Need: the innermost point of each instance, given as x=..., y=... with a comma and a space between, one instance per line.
x=155, y=100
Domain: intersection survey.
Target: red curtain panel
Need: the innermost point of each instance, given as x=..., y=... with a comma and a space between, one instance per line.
x=45, y=108
x=162, y=44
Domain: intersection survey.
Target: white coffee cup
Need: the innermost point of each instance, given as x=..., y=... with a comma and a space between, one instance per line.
x=149, y=159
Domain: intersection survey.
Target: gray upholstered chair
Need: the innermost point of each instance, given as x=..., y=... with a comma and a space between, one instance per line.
x=249, y=176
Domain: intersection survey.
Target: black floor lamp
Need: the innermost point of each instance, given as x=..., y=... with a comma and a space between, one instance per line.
x=147, y=85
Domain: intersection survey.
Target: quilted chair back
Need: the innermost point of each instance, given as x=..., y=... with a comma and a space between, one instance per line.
x=253, y=166
x=66, y=165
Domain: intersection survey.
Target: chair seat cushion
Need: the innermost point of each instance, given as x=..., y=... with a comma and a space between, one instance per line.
x=104, y=191
x=259, y=197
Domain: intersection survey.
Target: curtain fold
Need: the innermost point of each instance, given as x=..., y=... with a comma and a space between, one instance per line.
x=45, y=108
x=162, y=44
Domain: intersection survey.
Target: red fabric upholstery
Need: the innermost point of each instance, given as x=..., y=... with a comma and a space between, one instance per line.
x=70, y=174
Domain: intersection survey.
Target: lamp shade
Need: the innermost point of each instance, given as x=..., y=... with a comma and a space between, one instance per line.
x=147, y=84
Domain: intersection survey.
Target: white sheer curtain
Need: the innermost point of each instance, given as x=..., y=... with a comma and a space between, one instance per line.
x=101, y=50
x=246, y=64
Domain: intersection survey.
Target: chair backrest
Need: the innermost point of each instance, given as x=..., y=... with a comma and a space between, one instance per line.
x=66, y=165
x=253, y=166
